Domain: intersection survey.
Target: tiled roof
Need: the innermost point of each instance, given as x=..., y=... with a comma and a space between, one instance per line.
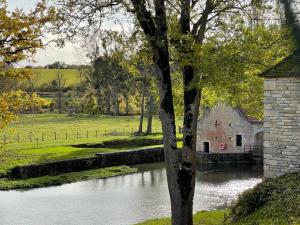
x=251, y=120
x=288, y=67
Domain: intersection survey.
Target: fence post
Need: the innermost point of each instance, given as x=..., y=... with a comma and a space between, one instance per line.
x=37, y=142
x=96, y=133
x=18, y=138
x=87, y=134
x=55, y=136
x=43, y=139
x=30, y=136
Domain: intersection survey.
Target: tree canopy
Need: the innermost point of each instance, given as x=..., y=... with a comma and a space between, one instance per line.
x=20, y=36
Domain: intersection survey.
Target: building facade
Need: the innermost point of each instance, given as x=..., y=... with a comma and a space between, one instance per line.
x=224, y=129
x=282, y=117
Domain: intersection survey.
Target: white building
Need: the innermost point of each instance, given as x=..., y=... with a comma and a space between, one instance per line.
x=224, y=129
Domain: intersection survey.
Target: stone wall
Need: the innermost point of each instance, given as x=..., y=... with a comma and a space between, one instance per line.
x=230, y=158
x=98, y=161
x=281, y=126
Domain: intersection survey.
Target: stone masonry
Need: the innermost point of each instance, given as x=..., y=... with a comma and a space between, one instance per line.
x=281, y=125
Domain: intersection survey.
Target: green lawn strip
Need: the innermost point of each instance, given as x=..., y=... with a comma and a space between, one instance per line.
x=13, y=158
x=215, y=217
x=46, y=181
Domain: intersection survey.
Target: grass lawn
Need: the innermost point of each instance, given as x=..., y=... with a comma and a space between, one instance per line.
x=46, y=181
x=46, y=76
x=26, y=152
x=10, y=158
x=46, y=130
x=200, y=218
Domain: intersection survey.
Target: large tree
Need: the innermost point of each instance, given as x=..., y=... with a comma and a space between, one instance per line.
x=20, y=37
x=193, y=22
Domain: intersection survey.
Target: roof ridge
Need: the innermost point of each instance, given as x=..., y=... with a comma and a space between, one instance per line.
x=287, y=67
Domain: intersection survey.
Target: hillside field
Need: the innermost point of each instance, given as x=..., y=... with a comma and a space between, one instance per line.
x=46, y=76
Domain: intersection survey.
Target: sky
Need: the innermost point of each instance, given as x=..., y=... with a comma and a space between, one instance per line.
x=70, y=54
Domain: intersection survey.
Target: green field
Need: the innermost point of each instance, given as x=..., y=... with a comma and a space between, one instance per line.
x=46, y=76
x=52, y=135
x=46, y=130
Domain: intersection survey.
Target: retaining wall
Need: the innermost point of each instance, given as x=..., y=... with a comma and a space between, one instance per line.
x=99, y=161
x=224, y=158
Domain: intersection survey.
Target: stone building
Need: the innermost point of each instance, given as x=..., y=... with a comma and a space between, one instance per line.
x=224, y=129
x=282, y=117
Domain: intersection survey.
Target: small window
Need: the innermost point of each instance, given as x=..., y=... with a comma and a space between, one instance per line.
x=206, y=147
x=216, y=137
x=229, y=138
x=239, y=141
x=230, y=124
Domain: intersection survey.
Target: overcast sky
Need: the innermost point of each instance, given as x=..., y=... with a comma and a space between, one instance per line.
x=69, y=54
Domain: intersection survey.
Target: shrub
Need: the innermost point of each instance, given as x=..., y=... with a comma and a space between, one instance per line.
x=268, y=194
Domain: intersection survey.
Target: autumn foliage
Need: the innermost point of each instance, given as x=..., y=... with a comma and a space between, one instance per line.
x=20, y=38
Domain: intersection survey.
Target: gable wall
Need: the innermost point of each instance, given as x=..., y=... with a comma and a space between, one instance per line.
x=281, y=126
x=225, y=115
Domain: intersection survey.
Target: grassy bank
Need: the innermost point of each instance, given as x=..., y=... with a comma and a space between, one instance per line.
x=10, y=158
x=200, y=218
x=49, y=142
x=274, y=201
x=46, y=181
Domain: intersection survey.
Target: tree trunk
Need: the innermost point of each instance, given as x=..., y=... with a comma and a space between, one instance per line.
x=181, y=170
x=127, y=105
x=99, y=101
x=142, y=110
x=59, y=103
x=107, y=103
x=150, y=114
x=116, y=104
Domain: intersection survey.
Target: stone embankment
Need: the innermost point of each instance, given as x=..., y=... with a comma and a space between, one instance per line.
x=128, y=158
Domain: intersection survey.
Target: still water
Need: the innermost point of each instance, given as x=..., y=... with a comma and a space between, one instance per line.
x=122, y=200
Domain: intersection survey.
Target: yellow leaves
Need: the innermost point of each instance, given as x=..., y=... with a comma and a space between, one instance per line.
x=15, y=102
x=20, y=37
x=15, y=73
x=20, y=33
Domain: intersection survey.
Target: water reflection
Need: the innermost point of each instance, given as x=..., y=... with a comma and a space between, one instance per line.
x=217, y=173
x=121, y=200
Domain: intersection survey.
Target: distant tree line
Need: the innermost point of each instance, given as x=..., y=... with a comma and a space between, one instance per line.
x=58, y=65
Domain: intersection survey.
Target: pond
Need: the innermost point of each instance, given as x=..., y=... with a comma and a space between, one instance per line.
x=122, y=200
